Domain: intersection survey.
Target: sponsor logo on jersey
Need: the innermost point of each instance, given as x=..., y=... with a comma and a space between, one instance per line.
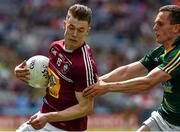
x=60, y=55
x=167, y=87
x=156, y=59
x=53, y=51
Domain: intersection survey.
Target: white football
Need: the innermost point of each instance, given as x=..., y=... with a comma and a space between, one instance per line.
x=38, y=68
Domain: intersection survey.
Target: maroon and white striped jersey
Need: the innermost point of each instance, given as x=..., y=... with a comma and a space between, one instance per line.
x=69, y=72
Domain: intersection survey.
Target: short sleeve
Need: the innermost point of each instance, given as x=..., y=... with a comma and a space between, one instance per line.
x=85, y=71
x=152, y=59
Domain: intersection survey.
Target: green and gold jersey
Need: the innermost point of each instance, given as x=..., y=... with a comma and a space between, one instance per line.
x=169, y=62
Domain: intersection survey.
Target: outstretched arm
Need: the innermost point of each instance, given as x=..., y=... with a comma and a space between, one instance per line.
x=140, y=84
x=134, y=85
x=125, y=72
x=83, y=108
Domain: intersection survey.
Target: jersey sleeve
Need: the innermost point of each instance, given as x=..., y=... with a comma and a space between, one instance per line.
x=53, y=49
x=146, y=62
x=171, y=63
x=151, y=59
x=86, y=72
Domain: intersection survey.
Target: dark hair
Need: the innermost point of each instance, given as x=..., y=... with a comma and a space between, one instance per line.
x=81, y=12
x=175, y=13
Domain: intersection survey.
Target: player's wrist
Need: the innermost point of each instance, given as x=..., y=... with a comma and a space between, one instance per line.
x=105, y=87
x=48, y=117
x=51, y=116
x=109, y=87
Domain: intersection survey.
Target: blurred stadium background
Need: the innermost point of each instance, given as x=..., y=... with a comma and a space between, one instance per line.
x=121, y=33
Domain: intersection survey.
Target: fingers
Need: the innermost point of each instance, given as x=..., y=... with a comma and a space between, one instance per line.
x=89, y=92
x=32, y=118
x=23, y=64
x=21, y=72
x=24, y=76
x=36, y=122
x=20, y=67
x=37, y=126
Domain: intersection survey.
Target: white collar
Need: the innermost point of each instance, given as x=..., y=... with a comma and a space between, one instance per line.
x=67, y=50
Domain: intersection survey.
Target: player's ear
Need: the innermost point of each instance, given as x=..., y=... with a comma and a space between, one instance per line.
x=177, y=28
x=89, y=28
x=64, y=24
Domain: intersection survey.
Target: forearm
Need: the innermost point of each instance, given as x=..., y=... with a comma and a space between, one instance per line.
x=71, y=113
x=139, y=84
x=136, y=85
x=125, y=72
x=114, y=75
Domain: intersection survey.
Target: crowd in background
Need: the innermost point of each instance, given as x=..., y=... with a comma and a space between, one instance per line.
x=121, y=33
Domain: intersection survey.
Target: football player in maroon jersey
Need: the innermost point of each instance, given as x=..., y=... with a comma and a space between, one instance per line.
x=71, y=69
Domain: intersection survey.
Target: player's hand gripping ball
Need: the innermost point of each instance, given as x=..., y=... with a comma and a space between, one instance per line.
x=38, y=68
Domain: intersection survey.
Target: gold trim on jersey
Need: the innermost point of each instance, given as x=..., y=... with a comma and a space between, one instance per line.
x=168, y=50
x=174, y=67
x=172, y=64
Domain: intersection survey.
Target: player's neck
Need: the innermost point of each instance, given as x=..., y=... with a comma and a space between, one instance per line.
x=67, y=50
x=169, y=44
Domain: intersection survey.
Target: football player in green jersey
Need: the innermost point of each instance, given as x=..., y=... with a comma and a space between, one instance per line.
x=161, y=65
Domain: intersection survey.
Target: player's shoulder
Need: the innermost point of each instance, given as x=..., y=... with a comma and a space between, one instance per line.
x=172, y=58
x=87, y=47
x=177, y=42
x=83, y=52
x=176, y=49
x=57, y=43
x=174, y=53
x=177, y=46
x=156, y=51
x=159, y=48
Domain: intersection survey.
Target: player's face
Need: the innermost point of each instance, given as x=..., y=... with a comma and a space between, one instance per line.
x=75, y=32
x=163, y=28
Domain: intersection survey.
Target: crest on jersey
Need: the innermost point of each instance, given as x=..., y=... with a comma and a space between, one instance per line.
x=65, y=68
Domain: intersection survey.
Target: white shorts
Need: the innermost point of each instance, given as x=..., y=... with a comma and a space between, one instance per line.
x=28, y=128
x=157, y=123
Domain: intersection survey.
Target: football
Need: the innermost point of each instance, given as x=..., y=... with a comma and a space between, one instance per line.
x=37, y=66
